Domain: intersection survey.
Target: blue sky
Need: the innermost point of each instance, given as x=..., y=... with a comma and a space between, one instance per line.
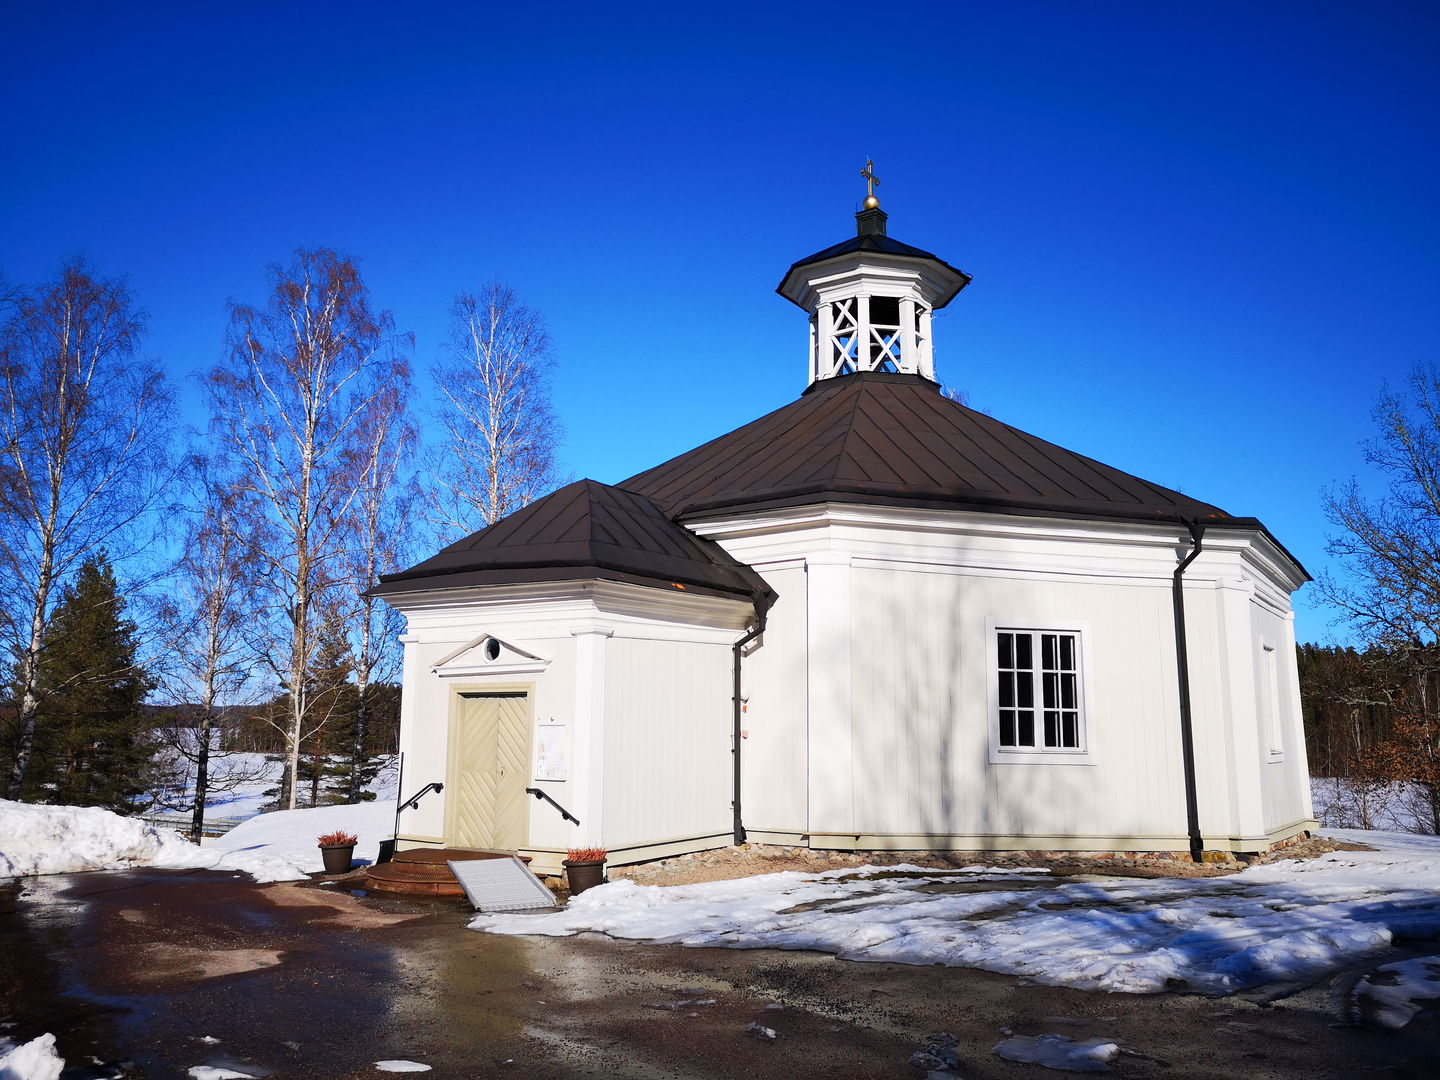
x=1202, y=236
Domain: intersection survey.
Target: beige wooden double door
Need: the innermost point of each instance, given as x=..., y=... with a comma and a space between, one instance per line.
x=489, y=770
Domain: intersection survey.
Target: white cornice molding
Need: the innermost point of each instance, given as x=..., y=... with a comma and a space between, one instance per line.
x=872, y=273
x=627, y=612
x=935, y=540
x=549, y=600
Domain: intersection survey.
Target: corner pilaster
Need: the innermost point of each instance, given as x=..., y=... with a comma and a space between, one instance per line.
x=588, y=739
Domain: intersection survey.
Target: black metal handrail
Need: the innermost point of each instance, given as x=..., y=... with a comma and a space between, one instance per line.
x=563, y=812
x=434, y=785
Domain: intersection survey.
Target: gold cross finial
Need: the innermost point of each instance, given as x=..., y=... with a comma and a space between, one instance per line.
x=871, y=183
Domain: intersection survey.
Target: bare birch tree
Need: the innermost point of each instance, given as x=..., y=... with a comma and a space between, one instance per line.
x=500, y=433
x=84, y=437
x=207, y=662
x=291, y=403
x=379, y=537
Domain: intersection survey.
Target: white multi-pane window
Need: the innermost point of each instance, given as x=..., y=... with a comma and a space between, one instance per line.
x=1039, y=696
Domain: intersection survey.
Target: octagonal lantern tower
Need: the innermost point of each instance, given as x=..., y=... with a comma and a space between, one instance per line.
x=870, y=299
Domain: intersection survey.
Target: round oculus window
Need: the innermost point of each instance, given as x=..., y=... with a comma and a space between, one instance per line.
x=492, y=649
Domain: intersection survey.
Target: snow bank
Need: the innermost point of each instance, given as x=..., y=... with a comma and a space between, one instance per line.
x=275, y=847
x=62, y=839
x=34, y=1060
x=1288, y=921
x=291, y=834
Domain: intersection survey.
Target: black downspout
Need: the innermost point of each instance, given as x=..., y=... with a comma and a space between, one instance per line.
x=1182, y=667
x=739, y=709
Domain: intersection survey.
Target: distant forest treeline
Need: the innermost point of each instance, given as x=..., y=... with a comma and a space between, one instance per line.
x=1372, y=719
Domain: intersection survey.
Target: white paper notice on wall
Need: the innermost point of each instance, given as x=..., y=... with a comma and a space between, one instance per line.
x=552, y=762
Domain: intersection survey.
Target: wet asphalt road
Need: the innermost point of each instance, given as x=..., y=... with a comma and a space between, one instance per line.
x=135, y=971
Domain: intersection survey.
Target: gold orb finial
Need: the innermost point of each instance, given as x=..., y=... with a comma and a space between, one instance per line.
x=871, y=183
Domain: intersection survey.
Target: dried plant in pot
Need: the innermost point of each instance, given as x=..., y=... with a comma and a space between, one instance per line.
x=584, y=869
x=337, y=849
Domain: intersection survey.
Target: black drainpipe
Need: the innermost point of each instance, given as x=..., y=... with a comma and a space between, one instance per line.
x=739, y=707
x=1182, y=667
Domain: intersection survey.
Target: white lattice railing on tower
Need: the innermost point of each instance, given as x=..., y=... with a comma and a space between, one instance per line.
x=885, y=350
x=863, y=333
x=844, y=337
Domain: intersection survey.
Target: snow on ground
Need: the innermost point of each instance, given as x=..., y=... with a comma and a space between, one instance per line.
x=1392, y=995
x=34, y=1060
x=1059, y=1052
x=291, y=834
x=37, y=839
x=1362, y=804
x=1282, y=922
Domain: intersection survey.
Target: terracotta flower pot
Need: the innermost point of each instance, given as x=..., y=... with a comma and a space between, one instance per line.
x=584, y=875
x=338, y=858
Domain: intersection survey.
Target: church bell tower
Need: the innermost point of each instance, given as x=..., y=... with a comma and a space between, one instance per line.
x=870, y=299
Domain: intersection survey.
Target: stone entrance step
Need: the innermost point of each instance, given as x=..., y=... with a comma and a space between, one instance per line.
x=423, y=871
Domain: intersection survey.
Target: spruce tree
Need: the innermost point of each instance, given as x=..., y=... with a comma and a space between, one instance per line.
x=92, y=745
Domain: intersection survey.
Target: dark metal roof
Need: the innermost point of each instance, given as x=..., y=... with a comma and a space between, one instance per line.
x=896, y=439
x=585, y=530
x=876, y=244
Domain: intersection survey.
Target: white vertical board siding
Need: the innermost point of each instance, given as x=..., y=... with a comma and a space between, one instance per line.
x=775, y=755
x=919, y=694
x=667, y=741
x=423, y=733
x=832, y=714
x=920, y=670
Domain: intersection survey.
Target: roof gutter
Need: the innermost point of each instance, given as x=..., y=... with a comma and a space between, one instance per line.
x=738, y=704
x=1182, y=668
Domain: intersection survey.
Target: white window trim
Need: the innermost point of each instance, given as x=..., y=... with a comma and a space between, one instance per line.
x=1006, y=755
x=1272, y=725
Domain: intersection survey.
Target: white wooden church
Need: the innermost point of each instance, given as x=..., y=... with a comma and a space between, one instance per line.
x=872, y=619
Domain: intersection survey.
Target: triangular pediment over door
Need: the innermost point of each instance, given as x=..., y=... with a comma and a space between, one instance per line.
x=490, y=655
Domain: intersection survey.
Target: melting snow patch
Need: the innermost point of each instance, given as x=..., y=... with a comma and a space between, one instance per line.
x=1391, y=996
x=401, y=1065
x=34, y=1060
x=1059, y=1052
x=68, y=839
x=1286, y=922
x=217, y=1072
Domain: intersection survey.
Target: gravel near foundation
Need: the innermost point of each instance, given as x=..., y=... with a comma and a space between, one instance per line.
x=747, y=860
